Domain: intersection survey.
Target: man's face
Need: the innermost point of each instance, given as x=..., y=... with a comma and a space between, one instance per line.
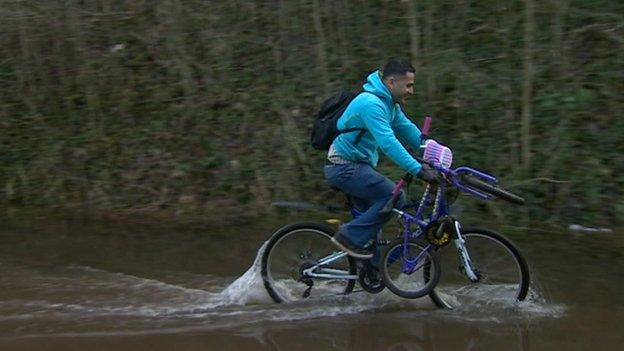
x=401, y=86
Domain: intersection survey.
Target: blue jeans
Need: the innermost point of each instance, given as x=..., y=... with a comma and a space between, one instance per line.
x=369, y=191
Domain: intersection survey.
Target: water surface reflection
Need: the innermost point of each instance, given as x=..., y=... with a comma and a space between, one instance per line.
x=81, y=285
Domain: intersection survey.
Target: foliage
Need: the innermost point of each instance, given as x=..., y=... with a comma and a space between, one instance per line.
x=203, y=107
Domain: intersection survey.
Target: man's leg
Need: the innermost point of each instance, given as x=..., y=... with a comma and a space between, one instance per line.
x=368, y=187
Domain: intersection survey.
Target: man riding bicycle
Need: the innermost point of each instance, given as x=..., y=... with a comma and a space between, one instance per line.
x=299, y=262
x=353, y=156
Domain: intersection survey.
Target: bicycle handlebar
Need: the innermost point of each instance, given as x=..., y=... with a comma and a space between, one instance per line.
x=453, y=177
x=426, y=125
x=396, y=193
x=483, y=185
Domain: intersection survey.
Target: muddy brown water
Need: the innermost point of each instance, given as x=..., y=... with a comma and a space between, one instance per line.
x=84, y=286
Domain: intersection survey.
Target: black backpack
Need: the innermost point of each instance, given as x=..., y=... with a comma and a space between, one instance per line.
x=324, y=130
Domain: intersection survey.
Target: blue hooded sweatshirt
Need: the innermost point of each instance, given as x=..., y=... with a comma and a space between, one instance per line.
x=384, y=121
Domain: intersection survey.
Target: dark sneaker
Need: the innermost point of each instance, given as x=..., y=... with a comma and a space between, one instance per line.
x=355, y=251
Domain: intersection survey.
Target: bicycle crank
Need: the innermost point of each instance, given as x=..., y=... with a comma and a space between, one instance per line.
x=303, y=278
x=369, y=279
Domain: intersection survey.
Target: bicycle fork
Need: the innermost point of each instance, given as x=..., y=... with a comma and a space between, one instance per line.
x=464, y=257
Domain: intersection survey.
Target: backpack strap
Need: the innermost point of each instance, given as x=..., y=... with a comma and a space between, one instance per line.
x=359, y=136
x=362, y=130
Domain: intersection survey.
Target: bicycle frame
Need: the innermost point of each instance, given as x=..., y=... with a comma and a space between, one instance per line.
x=329, y=273
x=440, y=210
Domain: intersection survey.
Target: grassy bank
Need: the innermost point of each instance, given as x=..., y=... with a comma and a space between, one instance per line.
x=202, y=109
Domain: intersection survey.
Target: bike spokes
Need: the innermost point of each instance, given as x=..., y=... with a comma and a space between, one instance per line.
x=300, y=262
x=409, y=269
x=501, y=273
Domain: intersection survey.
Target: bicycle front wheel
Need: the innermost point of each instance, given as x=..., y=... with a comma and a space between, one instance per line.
x=503, y=274
x=296, y=248
x=410, y=269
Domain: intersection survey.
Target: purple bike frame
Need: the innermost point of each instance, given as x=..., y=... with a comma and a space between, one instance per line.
x=440, y=207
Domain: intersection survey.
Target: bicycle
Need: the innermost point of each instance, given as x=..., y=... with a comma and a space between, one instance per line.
x=300, y=257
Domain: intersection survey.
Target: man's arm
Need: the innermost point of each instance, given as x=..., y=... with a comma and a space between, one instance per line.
x=406, y=130
x=378, y=126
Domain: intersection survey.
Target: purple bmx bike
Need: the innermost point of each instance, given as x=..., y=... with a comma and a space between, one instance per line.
x=300, y=261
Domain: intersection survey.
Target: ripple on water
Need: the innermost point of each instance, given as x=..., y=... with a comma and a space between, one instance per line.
x=118, y=303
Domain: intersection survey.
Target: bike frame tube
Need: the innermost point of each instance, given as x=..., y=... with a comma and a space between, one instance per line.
x=476, y=172
x=329, y=273
x=454, y=176
x=410, y=265
x=330, y=276
x=331, y=258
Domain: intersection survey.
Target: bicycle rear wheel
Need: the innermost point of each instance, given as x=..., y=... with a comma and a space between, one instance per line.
x=502, y=271
x=410, y=271
x=295, y=248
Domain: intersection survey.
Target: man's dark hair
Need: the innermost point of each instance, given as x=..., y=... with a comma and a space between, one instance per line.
x=396, y=66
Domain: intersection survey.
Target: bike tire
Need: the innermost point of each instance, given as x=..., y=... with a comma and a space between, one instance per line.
x=423, y=277
x=455, y=290
x=493, y=189
x=311, y=241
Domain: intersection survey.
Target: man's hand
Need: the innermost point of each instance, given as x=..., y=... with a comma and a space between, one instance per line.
x=430, y=175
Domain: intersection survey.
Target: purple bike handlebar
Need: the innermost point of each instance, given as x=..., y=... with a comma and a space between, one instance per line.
x=451, y=174
x=426, y=125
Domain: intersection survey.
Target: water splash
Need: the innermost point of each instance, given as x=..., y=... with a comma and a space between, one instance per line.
x=248, y=288
x=113, y=303
x=488, y=307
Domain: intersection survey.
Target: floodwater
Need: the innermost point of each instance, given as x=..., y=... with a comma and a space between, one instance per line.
x=100, y=286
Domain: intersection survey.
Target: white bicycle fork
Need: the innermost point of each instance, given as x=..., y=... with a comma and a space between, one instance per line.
x=464, y=257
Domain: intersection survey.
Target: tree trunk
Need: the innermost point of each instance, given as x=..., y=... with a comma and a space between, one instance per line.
x=24, y=72
x=559, y=49
x=321, y=54
x=510, y=93
x=414, y=31
x=292, y=134
x=343, y=42
x=527, y=87
x=429, y=52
